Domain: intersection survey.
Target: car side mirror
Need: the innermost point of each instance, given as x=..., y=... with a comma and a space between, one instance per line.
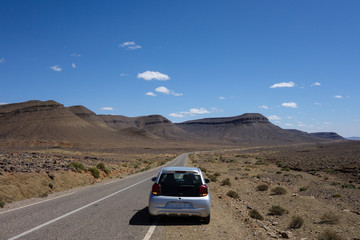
x=207, y=180
x=153, y=179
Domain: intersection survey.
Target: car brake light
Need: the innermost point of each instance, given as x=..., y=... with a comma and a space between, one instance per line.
x=203, y=191
x=156, y=189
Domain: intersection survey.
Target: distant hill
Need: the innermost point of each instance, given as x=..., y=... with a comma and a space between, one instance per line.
x=49, y=123
x=249, y=127
x=327, y=135
x=354, y=138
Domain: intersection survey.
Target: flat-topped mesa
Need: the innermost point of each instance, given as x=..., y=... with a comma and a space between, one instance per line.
x=152, y=120
x=246, y=118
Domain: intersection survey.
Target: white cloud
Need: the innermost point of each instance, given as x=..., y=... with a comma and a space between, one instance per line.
x=338, y=96
x=150, y=94
x=150, y=75
x=289, y=104
x=317, y=103
x=123, y=74
x=288, y=125
x=283, y=84
x=165, y=90
x=264, y=107
x=75, y=55
x=316, y=84
x=56, y=68
x=2, y=103
x=107, y=109
x=194, y=112
x=274, y=117
x=73, y=65
x=130, y=45
x=221, y=98
x=2, y=60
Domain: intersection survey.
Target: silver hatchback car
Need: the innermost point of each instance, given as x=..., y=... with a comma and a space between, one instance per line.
x=180, y=191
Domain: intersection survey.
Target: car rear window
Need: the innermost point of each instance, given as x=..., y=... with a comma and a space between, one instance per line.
x=180, y=184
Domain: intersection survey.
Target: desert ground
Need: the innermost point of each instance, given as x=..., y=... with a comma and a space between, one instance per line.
x=303, y=191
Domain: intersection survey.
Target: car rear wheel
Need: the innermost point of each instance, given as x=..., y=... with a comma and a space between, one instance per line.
x=206, y=220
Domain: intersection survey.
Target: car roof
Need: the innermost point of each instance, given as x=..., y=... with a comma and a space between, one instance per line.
x=183, y=169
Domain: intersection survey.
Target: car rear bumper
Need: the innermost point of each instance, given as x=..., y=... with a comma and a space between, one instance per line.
x=179, y=206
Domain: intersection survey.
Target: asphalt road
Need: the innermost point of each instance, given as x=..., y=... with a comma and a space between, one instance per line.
x=115, y=210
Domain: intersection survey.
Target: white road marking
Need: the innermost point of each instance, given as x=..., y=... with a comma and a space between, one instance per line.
x=50, y=199
x=74, y=211
x=150, y=232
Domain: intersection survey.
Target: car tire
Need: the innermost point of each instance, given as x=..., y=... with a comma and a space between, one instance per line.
x=152, y=218
x=206, y=220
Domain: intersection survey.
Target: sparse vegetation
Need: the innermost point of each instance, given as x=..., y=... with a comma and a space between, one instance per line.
x=256, y=215
x=226, y=182
x=232, y=194
x=296, y=222
x=277, y=211
x=2, y=204
x=51, y=185
x=262, y=187
x=103, y=167
x=278, y=191
x=329, y=235
x=330, y=218
x=77, y=166
x=337, y=195
x=302, y=189
x=51, y=176
x=94, y=171
x=212, y=177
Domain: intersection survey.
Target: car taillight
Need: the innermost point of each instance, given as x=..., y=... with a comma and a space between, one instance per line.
x=203, y=191
x=156, y=189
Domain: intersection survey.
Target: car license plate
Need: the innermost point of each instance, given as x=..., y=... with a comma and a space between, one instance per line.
x=179, y=205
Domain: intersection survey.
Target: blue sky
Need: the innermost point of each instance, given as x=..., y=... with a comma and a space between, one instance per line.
x=295, y=62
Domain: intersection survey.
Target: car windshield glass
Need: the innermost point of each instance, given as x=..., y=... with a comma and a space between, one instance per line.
x=180, y=184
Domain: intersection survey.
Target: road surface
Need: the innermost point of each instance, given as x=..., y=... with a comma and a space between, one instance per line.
x=115, y=210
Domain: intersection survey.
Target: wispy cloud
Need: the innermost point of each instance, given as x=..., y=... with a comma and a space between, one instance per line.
x=222, y=98
x=289, y=104
x=193, y=112
x=2, y=60
x=264, y=107
x=129, y=45
x=75, y=55
x=151, y=94
x=56, y=68
x=107, y=108
x=316, y=84
x=167, y=91
x=338, y=96
x=283, y=84
x=274, y=117
x=73, y=65
x=150, y=75
x=123, y=74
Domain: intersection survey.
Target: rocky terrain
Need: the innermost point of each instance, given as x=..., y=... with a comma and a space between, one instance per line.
x=256, y=198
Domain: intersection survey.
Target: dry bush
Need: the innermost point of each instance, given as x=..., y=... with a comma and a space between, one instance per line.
x=296, y=222
x=233, y=194
x=330, y=218
x=255, y=214
x=278, y=191
x=277, y=211
x=262, y=187
x=329, y=235
x=226, y=182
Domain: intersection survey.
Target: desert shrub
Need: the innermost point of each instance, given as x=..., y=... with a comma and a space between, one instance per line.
x=262, y=187
x=2, y=204
x=226, y=182
x=296, y=222
x=302, y=189
x=330, y=171
x=278, y=172
x=216, y=174
x=279, y=164
x=51, y=185
x=278, y=191
x=329, y=235
x=51, y=176
x=255, y=214
x=43, y=195
x=79, y=167
x=346, y=185
x=103, y=167
x=212, y=178
x=277, y=211
x=285, y=169
x=337, y=195
x=330, y=218
x=94, y=171
x=233, y=194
